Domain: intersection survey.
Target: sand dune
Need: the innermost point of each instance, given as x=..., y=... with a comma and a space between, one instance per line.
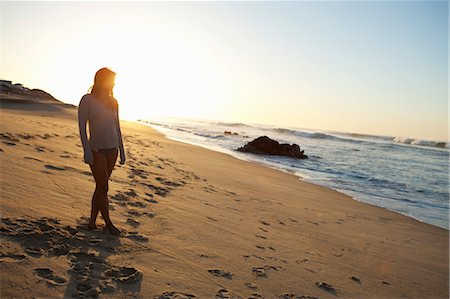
x=196, y=224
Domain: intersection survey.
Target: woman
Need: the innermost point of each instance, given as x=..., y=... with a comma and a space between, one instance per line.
x=101, y=109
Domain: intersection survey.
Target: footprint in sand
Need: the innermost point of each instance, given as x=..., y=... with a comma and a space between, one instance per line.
x=48, y=276
x=326, y=287
x=35, y=252
x=86, y=268
x=86, y=290
x=131, y=193
x=136, y=213
x=253, y=255
x=263, y=229
x=135, y=236
x=34, y=159
x=123, y=199
x=94, y=240
x=356, y=279
x=150, y=200
x=45, y=136
x=39, y=149
x=125, y=274
x=209, y=189
x=53, y=167
x=161, y=191
x=207, y=256
x=261, y=272
x=174, y=295
x=119, y=198
x=301, y=261
x=9, y=143
x=313, y=222
x=59, y=249
x=274, y=258
x=9, y=139
x=137, y=172
x=137, y=204
x=255, y=296
x=221, y=273
x=233, y=209
x=293, y=296
x=133, y=222
x=10, y=257
x=27, y=136
x=169, y=183
x=250, y=286
x=46, y=236
x=222, y=293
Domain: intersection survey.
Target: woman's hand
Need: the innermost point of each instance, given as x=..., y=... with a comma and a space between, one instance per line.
x=122, y=161
x=88, y=157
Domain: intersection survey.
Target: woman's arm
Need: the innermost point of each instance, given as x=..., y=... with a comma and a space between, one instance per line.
x=121, y=149
x=83, y=112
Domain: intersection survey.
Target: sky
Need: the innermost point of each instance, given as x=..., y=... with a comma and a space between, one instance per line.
x=377, y=67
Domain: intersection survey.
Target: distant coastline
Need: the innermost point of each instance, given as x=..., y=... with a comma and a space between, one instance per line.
x=371, y=169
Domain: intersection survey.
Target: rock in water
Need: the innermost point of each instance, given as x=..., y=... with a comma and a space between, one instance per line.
x=266, y=146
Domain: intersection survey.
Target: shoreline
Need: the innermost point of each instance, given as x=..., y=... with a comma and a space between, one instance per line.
x=195, y=222
x=218, y=149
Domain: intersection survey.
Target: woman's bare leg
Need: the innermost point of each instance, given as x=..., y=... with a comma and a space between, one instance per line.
x=111, y=161
x=94, y=211
x=101, y=173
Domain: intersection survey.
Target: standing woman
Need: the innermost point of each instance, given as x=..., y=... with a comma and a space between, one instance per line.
x=101, y=109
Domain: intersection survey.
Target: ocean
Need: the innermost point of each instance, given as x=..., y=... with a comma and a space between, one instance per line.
x=404, y=175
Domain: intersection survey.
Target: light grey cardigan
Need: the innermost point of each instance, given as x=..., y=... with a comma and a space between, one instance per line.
x=104, y=126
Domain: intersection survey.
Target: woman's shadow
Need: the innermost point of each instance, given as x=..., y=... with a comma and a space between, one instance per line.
x=91, y=273
x=87, y=251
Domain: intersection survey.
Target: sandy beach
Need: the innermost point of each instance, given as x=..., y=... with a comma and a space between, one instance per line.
x=196, y=224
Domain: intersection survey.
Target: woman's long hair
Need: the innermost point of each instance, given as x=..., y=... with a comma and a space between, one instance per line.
x=102, y=75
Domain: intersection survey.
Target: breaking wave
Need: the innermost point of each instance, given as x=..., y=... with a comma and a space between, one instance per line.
x=420, y=142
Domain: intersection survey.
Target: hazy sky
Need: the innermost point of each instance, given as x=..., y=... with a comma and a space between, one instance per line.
x=353, y=66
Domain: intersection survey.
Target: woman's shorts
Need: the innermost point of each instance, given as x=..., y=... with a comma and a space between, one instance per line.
x=107, y=151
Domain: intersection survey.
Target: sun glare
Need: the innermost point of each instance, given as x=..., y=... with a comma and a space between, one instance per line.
x=170, y=82
x=169, y=77
x=161, y=73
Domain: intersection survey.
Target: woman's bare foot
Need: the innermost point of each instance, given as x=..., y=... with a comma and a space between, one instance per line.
x=113, y=230
x=92, y=225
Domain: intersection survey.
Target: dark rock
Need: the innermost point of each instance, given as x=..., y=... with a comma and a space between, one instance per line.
x=266, y=146
x=230, y=133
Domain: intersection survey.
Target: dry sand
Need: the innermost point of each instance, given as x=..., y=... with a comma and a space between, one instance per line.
x=196, y=223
